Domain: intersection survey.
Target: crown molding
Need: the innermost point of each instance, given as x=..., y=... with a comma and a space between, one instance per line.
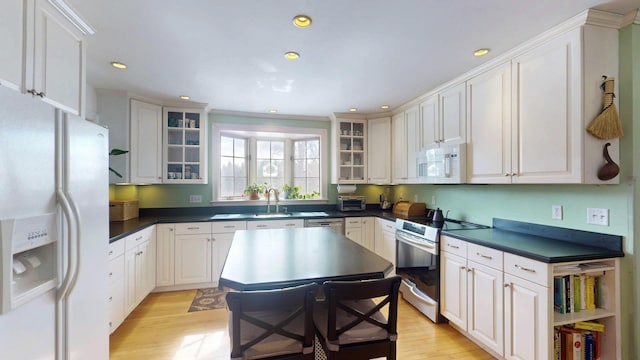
x=71, y=15
x=630, y=18
x=603, y=18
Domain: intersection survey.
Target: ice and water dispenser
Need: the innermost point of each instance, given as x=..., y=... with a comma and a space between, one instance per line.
x=28, y=259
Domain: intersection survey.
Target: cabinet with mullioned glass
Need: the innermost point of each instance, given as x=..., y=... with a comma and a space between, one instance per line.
x=184, y=146
x=350, y=159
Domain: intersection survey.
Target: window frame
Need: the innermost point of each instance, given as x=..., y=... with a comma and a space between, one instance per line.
x=222, y=128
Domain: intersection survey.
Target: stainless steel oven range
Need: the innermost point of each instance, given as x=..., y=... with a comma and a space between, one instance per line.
x=418, y=262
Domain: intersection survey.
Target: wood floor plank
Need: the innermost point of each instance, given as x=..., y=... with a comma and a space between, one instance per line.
x=162, y=328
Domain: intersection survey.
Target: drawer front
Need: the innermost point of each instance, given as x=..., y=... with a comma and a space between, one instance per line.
x=453, y=245
x=525, y=268
x=139, y=237
x=486, y=256
x=352, y=222
x=115, y=249
x=275, y=224
x=193, y=228
x=116, y=270
x=387, y=225
x=220, y=227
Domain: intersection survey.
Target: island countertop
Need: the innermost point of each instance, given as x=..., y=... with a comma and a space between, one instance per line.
x=278, y=258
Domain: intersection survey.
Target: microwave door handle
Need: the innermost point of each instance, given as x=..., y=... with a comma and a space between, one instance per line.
x=447, y=165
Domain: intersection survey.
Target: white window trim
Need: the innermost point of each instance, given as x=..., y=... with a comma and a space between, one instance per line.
x=218, y=128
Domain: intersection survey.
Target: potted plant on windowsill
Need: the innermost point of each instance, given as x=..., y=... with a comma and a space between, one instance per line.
x=254, y=190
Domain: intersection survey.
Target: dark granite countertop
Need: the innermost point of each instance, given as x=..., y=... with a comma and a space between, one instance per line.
x=120, y=229
x=543, y=243
x=277, y=258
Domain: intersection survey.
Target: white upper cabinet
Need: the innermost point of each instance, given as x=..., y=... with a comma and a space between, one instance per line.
x=413, y=130
x=185, y=143
x=399, y=148
x=527, y=118
x=11, y=28
x=452, y=115
x=43, y=53
x=443, y=117
x=489, y=126
x=146, y=144
x=349, y=151
x=379, y=164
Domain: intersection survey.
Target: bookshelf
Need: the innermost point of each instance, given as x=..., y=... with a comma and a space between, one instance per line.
x=607, y=305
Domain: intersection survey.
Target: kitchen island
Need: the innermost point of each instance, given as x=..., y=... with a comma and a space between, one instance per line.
x=278, y=258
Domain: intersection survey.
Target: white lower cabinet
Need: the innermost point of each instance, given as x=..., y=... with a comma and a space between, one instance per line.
x=139, y=266
x=191, y=255
x=471, y=293
x=116, y=284
x=222, y=237
x=361, y=230
x=385, y=240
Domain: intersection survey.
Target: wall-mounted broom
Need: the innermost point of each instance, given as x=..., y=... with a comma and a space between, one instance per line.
x=606, y=125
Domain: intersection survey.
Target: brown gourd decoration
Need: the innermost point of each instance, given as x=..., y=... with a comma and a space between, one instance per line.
x=606, y=125
x=609, y=170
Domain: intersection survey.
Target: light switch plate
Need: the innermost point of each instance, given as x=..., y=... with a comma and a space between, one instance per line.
x=195, y=198
x=598, y=216
x=556, y=212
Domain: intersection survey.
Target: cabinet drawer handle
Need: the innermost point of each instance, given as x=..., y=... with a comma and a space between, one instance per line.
x=486, y=256
x=110, y=274
x=229, y=227
x=462, y=267
x=453, y=246
x=524, y=268
x=110, y=252
x=261, y=226
x=290, y=225
x=138, y=238
x=506, y=285
x=193, y=228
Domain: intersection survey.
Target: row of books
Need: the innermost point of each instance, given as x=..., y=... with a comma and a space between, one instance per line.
x=581, y=341
x=572, y=293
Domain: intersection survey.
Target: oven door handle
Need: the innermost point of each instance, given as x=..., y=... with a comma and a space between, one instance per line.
x=423, y=246
x=420, y=297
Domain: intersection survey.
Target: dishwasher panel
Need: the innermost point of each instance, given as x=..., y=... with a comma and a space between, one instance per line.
x=336, y=224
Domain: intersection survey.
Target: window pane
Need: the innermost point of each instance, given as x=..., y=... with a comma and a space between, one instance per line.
x=313, y=184
x=239, y=147
x=240, y=167
x=240, y=183
x=299, y=149
x=226, y=166
x=226, y=186
x=263, y=149
x=299, y=168
x=277, y=150
x=313, y=168
x=226, y=146
x=313, y=149
x=278, y=166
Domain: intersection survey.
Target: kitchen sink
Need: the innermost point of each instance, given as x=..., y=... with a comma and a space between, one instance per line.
x=228, y=216
x=272, y=215
x=312, y=213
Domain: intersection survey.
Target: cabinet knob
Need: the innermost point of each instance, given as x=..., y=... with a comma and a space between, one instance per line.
x=110, y=252
x=507, y=174
x=110, y=274
x=40, y=94
x=514, y=174
x=506, y=285
x=110, y=298
x=32, y=92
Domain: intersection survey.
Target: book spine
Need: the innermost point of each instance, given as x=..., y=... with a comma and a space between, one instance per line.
x=590, y=284
x=557, y=347
x=568, y=292
x=576, y=293
x=583, y=291
x=577, y=346
x=588, y=346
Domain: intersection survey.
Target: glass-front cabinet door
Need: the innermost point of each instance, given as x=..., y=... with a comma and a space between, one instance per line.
x=184, y=146
x=352, y=148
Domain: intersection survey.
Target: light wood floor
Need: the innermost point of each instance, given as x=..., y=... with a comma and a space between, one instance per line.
x=161, y=328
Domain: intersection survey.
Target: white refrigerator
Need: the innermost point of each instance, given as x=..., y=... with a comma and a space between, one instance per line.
x=55, y=165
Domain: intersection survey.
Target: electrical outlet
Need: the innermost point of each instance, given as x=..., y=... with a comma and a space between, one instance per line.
x=556, y=212
x=415, y=198
x=597, y=216
x=433, y=200
x=195, y=198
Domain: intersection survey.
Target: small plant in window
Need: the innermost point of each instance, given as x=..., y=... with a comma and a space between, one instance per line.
x=254, y=190
x=291, y=191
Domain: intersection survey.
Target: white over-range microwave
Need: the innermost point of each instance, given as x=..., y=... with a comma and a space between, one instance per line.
x=445, y=164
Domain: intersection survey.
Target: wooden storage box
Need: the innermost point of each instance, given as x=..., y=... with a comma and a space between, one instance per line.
x=410, y=209
x=123, y=210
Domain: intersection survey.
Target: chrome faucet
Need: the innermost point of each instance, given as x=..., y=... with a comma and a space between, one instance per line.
x=277, y=194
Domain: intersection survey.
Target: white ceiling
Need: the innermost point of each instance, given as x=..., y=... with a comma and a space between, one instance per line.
x=357, y=53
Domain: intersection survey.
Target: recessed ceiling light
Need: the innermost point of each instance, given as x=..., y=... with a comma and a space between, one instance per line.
x=273, y=111
x=301, y=21
x=481, y=52
x=384, y=107
x=291, y=55
x=353, y=110
x=118, y=65
x=184, y=97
